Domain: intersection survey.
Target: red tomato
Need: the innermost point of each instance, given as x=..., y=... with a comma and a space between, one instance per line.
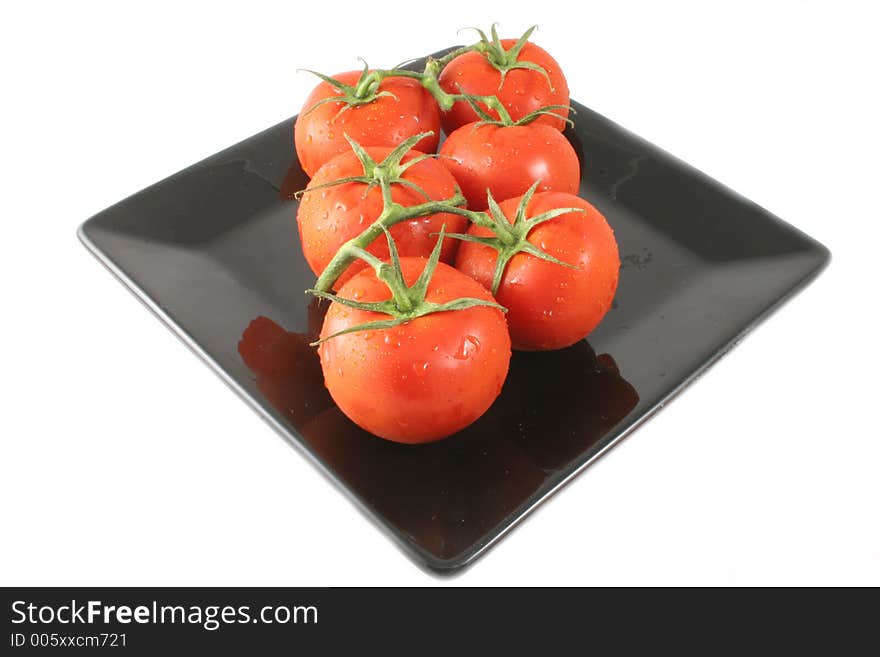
x=523, y=92
x=508, y=159
x=551, y=306
x=422, y=380
x=318, y=134
x=329, y=217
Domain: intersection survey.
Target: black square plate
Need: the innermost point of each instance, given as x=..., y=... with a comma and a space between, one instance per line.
x=215, y=246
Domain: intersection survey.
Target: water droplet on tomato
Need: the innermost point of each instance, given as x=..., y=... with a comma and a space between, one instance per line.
x=469, y=346
x=420, y=368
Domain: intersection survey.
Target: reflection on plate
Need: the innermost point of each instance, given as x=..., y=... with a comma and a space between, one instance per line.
x=447, y=496
x=215, y=246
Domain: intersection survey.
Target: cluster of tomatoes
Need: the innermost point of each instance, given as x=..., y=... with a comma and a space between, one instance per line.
x=438, y=263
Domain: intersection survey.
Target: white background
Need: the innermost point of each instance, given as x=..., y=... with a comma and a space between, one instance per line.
x=126, y=461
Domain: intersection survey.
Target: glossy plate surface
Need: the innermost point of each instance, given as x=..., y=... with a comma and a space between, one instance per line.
x=214, y=250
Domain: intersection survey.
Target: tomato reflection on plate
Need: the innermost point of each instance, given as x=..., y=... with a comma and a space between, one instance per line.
x=447, y=495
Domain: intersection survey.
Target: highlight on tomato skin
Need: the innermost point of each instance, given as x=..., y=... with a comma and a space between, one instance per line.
x=551, y=306
x=386, y=121
x=507, y=160
x=328, y=217
x=523, y=91
x=424, y=379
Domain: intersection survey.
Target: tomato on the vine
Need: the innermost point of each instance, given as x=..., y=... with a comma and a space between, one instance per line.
x=506, y=160
x=551, y=260
x=383, y=115
x=412, y=349
x=521, y=74
x=330, y=214
x=421, y=379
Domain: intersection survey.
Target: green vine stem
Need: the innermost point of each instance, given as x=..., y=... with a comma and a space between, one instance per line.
x=366, y=90
x=383, y=174
x=407, y=302
x=509, y=239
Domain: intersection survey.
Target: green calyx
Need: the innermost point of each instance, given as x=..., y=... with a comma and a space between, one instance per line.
x=407, y=302
x=387, y=172
x=505, y=120
x=365, y=91
x=505, y=61
x=512, y=238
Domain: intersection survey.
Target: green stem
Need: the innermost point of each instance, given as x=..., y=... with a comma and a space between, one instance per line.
x=394, y=213
x=366, y=85
x=399, y=292
x=448, y=57
x=408, y=302
x=429, y=79
x=512, y=238
x=367, y=88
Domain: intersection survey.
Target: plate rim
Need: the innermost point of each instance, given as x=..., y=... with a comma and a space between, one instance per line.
x=424, y=559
